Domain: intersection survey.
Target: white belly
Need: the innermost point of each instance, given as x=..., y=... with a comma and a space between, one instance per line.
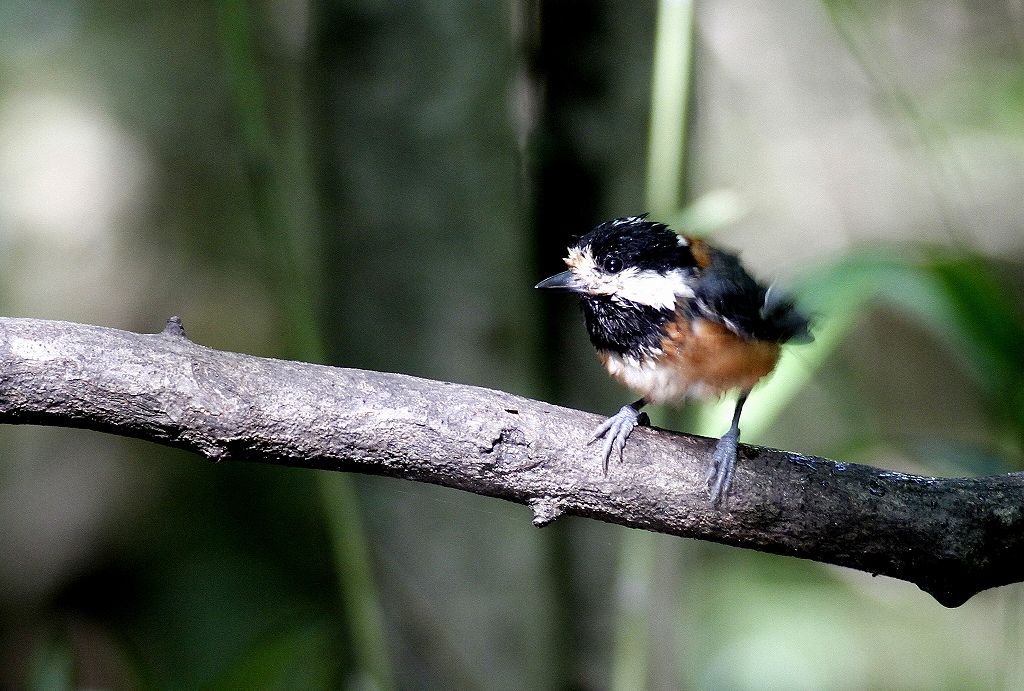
x=656, y=383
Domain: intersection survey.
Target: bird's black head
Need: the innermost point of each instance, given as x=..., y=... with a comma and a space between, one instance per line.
x=631, y=274
x=636, y=242
x=630, y=260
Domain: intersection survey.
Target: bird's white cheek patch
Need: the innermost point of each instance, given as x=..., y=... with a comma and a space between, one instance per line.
x=660, y=291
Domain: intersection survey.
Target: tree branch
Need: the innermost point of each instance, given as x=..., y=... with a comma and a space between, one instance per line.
x=951, y=537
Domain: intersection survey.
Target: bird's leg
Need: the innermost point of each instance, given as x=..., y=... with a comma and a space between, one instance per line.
x=723, y=460
x=616, y=429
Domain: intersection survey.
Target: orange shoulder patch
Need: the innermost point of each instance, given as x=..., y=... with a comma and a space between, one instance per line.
x=701, y=251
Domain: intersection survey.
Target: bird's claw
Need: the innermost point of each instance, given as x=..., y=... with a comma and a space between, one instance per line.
x=616, y=431
x=723, y=463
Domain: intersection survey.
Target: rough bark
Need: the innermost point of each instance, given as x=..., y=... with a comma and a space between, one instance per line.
x=951, y=537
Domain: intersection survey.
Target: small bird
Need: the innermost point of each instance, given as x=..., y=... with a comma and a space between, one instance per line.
x=673, y=317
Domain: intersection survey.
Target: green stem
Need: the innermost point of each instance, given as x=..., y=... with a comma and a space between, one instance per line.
x=273, y=165
x=670, y=88
x=631, y=655
x=355, y=580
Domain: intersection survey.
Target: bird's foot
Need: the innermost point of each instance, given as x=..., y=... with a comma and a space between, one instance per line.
x=723, y=462
x=616, y=430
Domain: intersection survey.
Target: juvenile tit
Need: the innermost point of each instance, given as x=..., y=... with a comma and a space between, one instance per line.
x=673, y=317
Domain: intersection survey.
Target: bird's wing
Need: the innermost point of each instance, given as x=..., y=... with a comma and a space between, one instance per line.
x=726, y=294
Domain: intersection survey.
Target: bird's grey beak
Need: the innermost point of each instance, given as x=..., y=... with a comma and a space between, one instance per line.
x=564, y=281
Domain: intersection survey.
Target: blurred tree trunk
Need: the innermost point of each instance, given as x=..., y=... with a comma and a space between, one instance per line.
x=428, y=266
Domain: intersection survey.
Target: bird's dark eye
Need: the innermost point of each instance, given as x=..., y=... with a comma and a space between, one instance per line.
x=613, y=265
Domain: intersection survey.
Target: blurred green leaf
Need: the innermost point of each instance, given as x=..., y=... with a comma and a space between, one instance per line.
x=987, y=327
x=54, y=667
x=957, y=296
x=299, y=660
x=987, y=332
x=895, y=275
x=711, y=211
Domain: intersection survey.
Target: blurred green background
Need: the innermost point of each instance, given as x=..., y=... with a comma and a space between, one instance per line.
x=379, y=184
